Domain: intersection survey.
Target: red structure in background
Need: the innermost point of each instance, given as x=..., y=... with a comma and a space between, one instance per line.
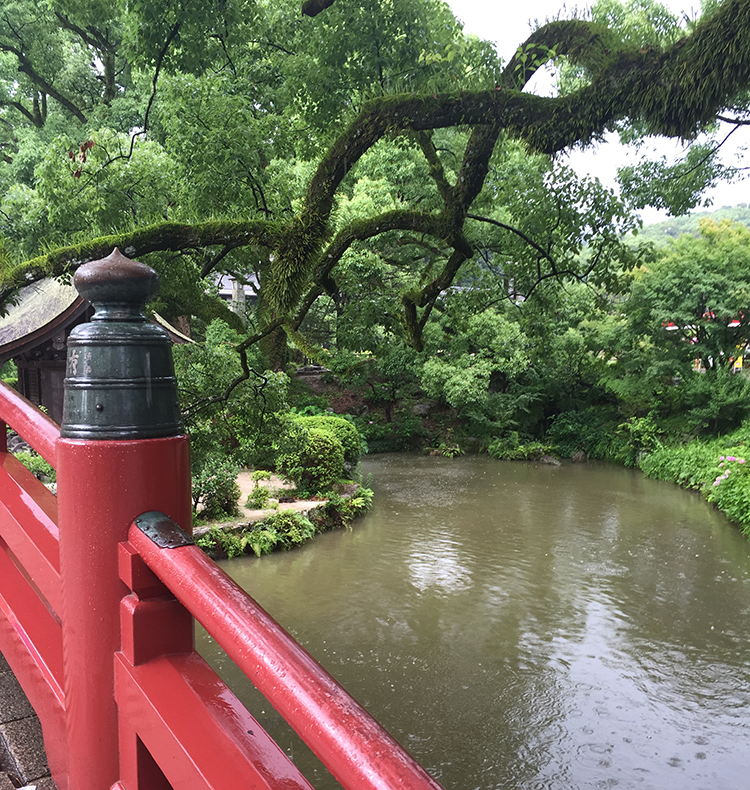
x=99, y=588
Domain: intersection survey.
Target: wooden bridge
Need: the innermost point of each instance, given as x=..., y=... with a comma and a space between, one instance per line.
x=100, y=587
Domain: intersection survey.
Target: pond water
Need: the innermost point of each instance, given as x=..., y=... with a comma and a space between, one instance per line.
x=526, y=626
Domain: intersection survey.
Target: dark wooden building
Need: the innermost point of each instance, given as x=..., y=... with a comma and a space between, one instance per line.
x=34, y=333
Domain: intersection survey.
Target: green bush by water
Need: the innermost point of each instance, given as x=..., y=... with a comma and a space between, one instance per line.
x=215, y=489
x=286, y=529
x=719, y=468
x=511, y=448
x=344, y=430
x=282, y=530
x=313, y=460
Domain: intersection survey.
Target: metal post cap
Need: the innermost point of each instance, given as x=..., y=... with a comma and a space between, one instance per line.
x=117, y=287
x=120, y=380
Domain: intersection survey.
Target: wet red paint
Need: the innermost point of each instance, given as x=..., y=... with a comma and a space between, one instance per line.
x=97, y=624
x=102, y=487
x=349, y=742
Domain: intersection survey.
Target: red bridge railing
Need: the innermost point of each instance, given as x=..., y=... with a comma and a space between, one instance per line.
x=99, y=591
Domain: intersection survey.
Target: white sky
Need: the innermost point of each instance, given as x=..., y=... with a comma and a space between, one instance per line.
x=508, y=23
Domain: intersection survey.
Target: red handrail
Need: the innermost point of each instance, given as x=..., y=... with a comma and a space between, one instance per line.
x=95, y=519
x=29, y=422
x=349, y=742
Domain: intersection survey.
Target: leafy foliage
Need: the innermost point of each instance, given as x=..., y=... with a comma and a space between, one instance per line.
x=511, y=449
x=692, y=300
x=313, y=459
x=660, y=234
x=716, y=467
x=681, y=185
x=245, y=427
x=259, y=498
x=344, y=430
x=730, y=490
x=373, y=140
x=37, y=465
x=285, y=529
x=215, y=489
x=691, y=466
x=590, y=431
x=339, y=511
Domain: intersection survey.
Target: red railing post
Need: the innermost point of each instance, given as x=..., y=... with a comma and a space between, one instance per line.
x=121, y=452
x=357, y=751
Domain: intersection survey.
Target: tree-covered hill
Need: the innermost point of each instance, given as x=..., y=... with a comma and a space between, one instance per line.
x=660, y=233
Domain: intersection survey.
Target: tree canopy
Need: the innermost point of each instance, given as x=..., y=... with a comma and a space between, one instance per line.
x=336, y=149
x=693, y=300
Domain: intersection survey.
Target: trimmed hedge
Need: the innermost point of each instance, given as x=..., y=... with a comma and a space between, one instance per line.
x=345, y=431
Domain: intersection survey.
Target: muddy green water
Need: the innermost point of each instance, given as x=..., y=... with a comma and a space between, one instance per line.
x=524, y=626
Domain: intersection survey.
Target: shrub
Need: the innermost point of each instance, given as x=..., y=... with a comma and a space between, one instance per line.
x=344, y=430
x=37, y=466
x=313, y=460
x=730, y=489
x=691, y=466
x=591, y=430
x=449, y=449
x=510, y=448
x=261, y=540
x=284, y=530
x=339, y=511
x=219, y=543
x=291, y=528
x=9, y=374
x=639, y=436
x=258, y=498
x=215, y=488
x=405, y=432
x=713, y=403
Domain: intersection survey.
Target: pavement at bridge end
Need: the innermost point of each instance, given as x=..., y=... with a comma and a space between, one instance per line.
x=23, y=762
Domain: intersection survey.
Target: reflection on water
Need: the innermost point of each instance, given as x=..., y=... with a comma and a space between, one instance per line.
x=522, y=626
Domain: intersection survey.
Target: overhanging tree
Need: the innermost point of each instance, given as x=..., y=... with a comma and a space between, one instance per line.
x=346, y=98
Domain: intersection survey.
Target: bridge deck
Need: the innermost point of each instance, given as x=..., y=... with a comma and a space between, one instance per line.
x=22, y=757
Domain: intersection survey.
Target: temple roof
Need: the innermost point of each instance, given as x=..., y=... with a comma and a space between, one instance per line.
x=43, y=309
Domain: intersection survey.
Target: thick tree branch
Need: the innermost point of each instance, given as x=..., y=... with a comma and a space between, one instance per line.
x=133, y=244
x=432, y=224
x=26, y=113
x=413, y=325
x=734, y=121
x=90, y=36
x=474, y=169
x=314, y=7
x=674, y=91
x=25, y=66
x=437, y=172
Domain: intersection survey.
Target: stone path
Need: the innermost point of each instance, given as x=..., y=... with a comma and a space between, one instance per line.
x=248, y=516
x=23, y=762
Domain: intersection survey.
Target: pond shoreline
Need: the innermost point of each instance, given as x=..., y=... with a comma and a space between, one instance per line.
x=287, y=522
x=526, y=625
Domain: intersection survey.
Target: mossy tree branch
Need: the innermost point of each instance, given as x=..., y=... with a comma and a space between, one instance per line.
x=154, y=238
x=675, y=91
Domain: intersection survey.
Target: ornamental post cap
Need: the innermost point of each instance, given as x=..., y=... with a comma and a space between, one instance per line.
x=120, y=381
x=116, y=280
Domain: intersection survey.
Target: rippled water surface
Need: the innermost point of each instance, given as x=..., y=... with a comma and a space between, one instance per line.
x=523, y=626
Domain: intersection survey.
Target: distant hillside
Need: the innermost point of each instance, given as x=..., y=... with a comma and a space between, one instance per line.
x=661, y=232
